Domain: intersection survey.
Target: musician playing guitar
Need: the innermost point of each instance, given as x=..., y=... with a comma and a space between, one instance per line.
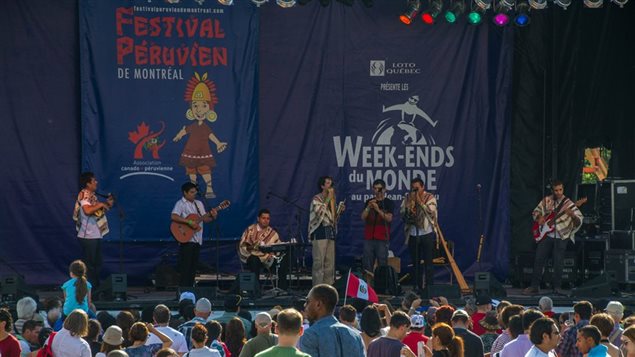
x=190, y=251
x=566, y=219
x=258, y=235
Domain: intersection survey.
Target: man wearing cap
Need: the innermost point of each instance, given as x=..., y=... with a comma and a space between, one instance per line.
x=483, y=306
x=417, y=324
x=616, y=310
x=264, y=338
x=232, y=307
x=545, y=336
x=473, y=344
x=202, y=310
x=546, y=306
x=161, y=317
x=521, y=345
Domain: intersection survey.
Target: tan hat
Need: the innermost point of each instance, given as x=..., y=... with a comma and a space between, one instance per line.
x=113, y=336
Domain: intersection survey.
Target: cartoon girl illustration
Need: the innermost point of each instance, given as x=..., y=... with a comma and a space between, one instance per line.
x=197, y=156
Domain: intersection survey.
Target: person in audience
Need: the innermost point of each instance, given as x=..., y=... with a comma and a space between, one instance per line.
x=616, y=310
x=588, y=342
x=483, y=306
x=118, y=353
x=125, y=320
x=391, y=345
x=444, y=342
x=232, y=309
x=77, y=289
x=544, y=336
x=581, y=314
x=327, y=337
x=490, y=324
x=68, y=341
x=289, y=329
x=370, y=324
x=29, y=340
x=26, y=309
x=545, y=305
x=605, y=323
x=111, y=341
x=199, y=338
x=431, y=320
x=214, y=331
x=139, y=335
x=412, y=339
x=202, y=310
x=94, y=332
x=167, y=352
x=235, y=336
x=161, y=317
x=348, y=316
x=52, y=311
x=628, y=341
x=629, y=321
x=9, y=345
x=263, y=339
x=505, y=315
x=444, y=314
x=522, y=344
x=473, y=346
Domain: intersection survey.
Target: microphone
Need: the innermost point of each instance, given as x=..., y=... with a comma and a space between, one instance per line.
x=478, y=187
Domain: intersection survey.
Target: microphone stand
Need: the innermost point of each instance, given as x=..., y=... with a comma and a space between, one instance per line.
x=478, y=266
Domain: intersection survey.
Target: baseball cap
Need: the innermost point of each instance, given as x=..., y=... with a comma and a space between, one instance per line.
x=483, y=300
x=417, y=321
x=203, y=305
x=187, y=295
x=460, y=313
x=262, y=319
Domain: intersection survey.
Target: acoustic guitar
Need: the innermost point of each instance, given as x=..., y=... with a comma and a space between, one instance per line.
x=183, y=233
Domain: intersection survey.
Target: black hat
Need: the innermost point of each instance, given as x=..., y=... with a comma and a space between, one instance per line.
x=483, y=300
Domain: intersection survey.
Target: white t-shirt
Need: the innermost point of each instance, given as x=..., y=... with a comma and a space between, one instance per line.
x=65, y=345
x=178, y=340
x=185, y=208
x=203, y=352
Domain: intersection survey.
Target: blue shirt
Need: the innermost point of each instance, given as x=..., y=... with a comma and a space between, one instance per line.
x=70, y=303
x=329, y=338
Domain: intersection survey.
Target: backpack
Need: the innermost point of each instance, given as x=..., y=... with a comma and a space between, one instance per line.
x=47, y=350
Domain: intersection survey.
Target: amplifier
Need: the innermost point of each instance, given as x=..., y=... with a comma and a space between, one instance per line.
x=525, y=268
x=622, y=240
x=620, y=266
x=616, y=206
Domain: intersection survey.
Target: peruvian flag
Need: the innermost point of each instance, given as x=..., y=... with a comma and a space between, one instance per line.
x=358, y=288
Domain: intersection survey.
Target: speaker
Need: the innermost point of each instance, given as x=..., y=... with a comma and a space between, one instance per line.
x=165, y=277
x=620, y=266
x=595, y=288
x=13, y=288
x=115, y=287
x=486, y=283
x=385, y=280
x=447, y=290
x=248, y=284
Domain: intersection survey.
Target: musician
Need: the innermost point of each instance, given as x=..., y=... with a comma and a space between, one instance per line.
x=569, y=220
x=322, y=230
x=258, y=235
x=92, y=225
x=419, y=211
x=190, y=251
x=377, y=216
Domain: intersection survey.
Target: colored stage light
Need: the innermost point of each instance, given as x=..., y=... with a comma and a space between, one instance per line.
x=501, y=19
x=434, y=9
x=522, y=18
x=593, y=4
x=414, y=6
x=563, y=3
x=475, y=17
x=538, y=4
x=457, y=8
x=502, y=9
x=226, y=2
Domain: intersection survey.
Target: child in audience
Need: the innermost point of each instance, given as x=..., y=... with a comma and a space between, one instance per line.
x=77, y=290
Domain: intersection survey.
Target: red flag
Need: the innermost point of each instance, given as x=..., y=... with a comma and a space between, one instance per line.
x=358, y=288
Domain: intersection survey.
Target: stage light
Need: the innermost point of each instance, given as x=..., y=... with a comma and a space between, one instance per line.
x=620, y=3
x=414, y=6
x=226, y=2
x=286, y=3
x=522, y=18
x=483, y=4
x=502, y=9
x=430, y=15
x=259, y=2
x=538, y=4
x=593, y=4
x=475, y=16
x=563, y=3
x=457, y=7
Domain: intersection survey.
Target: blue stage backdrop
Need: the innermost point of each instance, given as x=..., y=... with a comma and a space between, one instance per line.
x=353, y=93
x=168, y=85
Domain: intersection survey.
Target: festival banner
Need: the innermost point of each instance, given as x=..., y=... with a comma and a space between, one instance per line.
x=375, y=99
x=169, y=95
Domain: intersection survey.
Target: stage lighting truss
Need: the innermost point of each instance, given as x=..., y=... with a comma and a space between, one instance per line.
x=522, y=18
x=457, y=7
x=563, y=3
x=286, y=3
x=502, y=8
x=432, y=12
x=620, y=3
x=593, y=4
x=538, y=4
x=226, y=2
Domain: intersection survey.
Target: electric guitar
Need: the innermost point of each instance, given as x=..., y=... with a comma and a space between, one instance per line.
x=539, y=231
x=183, y=232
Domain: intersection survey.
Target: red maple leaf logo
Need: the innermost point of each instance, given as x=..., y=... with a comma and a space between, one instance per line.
x=144, y=138
x=142, y=131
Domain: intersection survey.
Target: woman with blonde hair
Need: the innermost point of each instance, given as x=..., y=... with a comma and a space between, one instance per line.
x=68, y=341
x=444, y=343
